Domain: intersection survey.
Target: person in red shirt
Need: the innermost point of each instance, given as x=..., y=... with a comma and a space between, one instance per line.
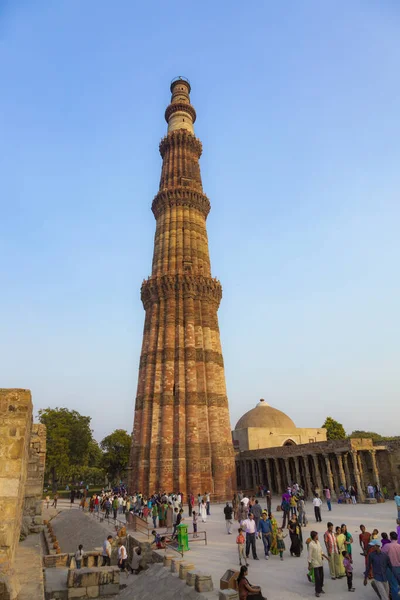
x=364, y=539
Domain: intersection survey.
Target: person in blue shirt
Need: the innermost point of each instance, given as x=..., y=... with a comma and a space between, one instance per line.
x=380, y=564
x=264, y=530
x=397, y=501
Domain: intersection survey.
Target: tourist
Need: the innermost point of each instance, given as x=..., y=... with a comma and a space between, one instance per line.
x=136, y=558
x=385, y=539
x=175, y=522
x=106, y=553
x=245, y=500
x=199, y=499
x=190, y=504
x=301, y=509
x=364, y=539
x=203, y=511
x=315, y=558
x=353, y=494
x=398, y=530
x=331, y=549
x=243, y=512
x=349, y=539
x=392, y=550
x=208, y=501
x=195, y=519
x=250, y=528
x=107, y=507
x=327, y=492
x=285, y=506
x=55, y=500
x=264, y=530
x=154, y=514
x=348, y=567
x=341, y=546
x=397, y=502
x=47, y=500
x=280, y=541
x=115, y=507
x=72, y=496
x=317, y=508
x=293, y=505
x=228, y=511
x=240, y=542
x=257, y=511
x=79, y=556
x=296, y=537
x=245, y=589
x=371, y=491
x=170, y=518
x=379, y=562
x=274, y=538
x=122, y=556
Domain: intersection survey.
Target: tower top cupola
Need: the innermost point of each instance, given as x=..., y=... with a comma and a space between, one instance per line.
x=180, y=114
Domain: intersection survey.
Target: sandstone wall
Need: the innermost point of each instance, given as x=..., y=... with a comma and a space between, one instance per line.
x=33, y=504
x=15, y=435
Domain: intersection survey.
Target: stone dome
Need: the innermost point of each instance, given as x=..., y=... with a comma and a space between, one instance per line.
x=264, y=415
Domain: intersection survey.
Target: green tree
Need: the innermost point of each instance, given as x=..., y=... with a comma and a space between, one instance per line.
x=116, y=448
x=358, y=433
x=68, y=440
x=334, y=429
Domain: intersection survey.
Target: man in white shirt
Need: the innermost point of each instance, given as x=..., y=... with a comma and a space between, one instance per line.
x=249, y=526
x=317, y=508
x=122, y=556
x=245, y=500
x=371, y=491
x=106, y=554
x=315, y=558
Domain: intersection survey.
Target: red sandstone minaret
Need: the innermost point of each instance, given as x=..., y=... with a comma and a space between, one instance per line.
x=182, y=437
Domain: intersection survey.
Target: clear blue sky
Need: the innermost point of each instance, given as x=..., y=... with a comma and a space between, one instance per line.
x=298, y=112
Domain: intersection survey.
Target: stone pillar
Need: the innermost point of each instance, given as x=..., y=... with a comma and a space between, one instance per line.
x=346, y=468
x=357, y=477
x=374, y=467
x=341, y=470
x=296, y=465
x=16, y=424
x=253, y=473
x=247, y=475
x=269, y=477
x=308, y=482
x=317, y=473
x=278, y=476
x=361, y=471
x=287, y=470
x=330, y=476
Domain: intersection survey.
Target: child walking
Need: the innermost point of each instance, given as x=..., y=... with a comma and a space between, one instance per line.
x=195, y=519
x=280, y=541
x=79, y=556
x=348, y=566
x=241, y=541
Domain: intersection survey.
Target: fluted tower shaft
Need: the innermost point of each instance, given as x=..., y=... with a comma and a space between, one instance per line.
x=181, y=439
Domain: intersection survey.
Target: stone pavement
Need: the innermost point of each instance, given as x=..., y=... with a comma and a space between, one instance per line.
x=73, y=527
x=28, y=565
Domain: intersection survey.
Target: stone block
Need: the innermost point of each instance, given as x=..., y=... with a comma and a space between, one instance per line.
x=93, y=591
x=191, y=577
x=228, y=595
x=109, y=589
x=203, y=583
x=76, y=593
x=175, y=562
x=184, y=567
x=167, y=561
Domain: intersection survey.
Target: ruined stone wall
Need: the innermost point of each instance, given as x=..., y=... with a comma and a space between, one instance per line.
x=33, y=504
x=15, y=435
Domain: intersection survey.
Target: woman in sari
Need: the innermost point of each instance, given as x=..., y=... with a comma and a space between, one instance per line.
x=295, y=537
x=274, y=542
x=341, y=544
x=349, y=539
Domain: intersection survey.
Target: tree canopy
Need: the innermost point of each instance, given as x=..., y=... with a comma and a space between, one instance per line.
x=68, y=439
x=116, y=448
x=334, y=429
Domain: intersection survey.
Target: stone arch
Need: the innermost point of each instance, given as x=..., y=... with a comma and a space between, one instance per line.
x=289, y=442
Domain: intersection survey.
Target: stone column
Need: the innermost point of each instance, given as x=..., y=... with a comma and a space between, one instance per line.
x=346, y=468
x=269, y=477
x=247, y=474
x=341, y=470
x=374, y=467
x=278, y=476
x=357, y=477
x=253, y=472
x=296, y=465
x=260, y=471
x=308, y=482
x=361, y=471
x=330, y=477
x=317, y=473
x=287, y=470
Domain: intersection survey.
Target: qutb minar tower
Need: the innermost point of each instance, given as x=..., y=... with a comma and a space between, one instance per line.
x=182, y=438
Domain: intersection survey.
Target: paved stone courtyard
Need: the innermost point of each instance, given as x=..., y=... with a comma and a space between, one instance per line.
x=280, y=580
